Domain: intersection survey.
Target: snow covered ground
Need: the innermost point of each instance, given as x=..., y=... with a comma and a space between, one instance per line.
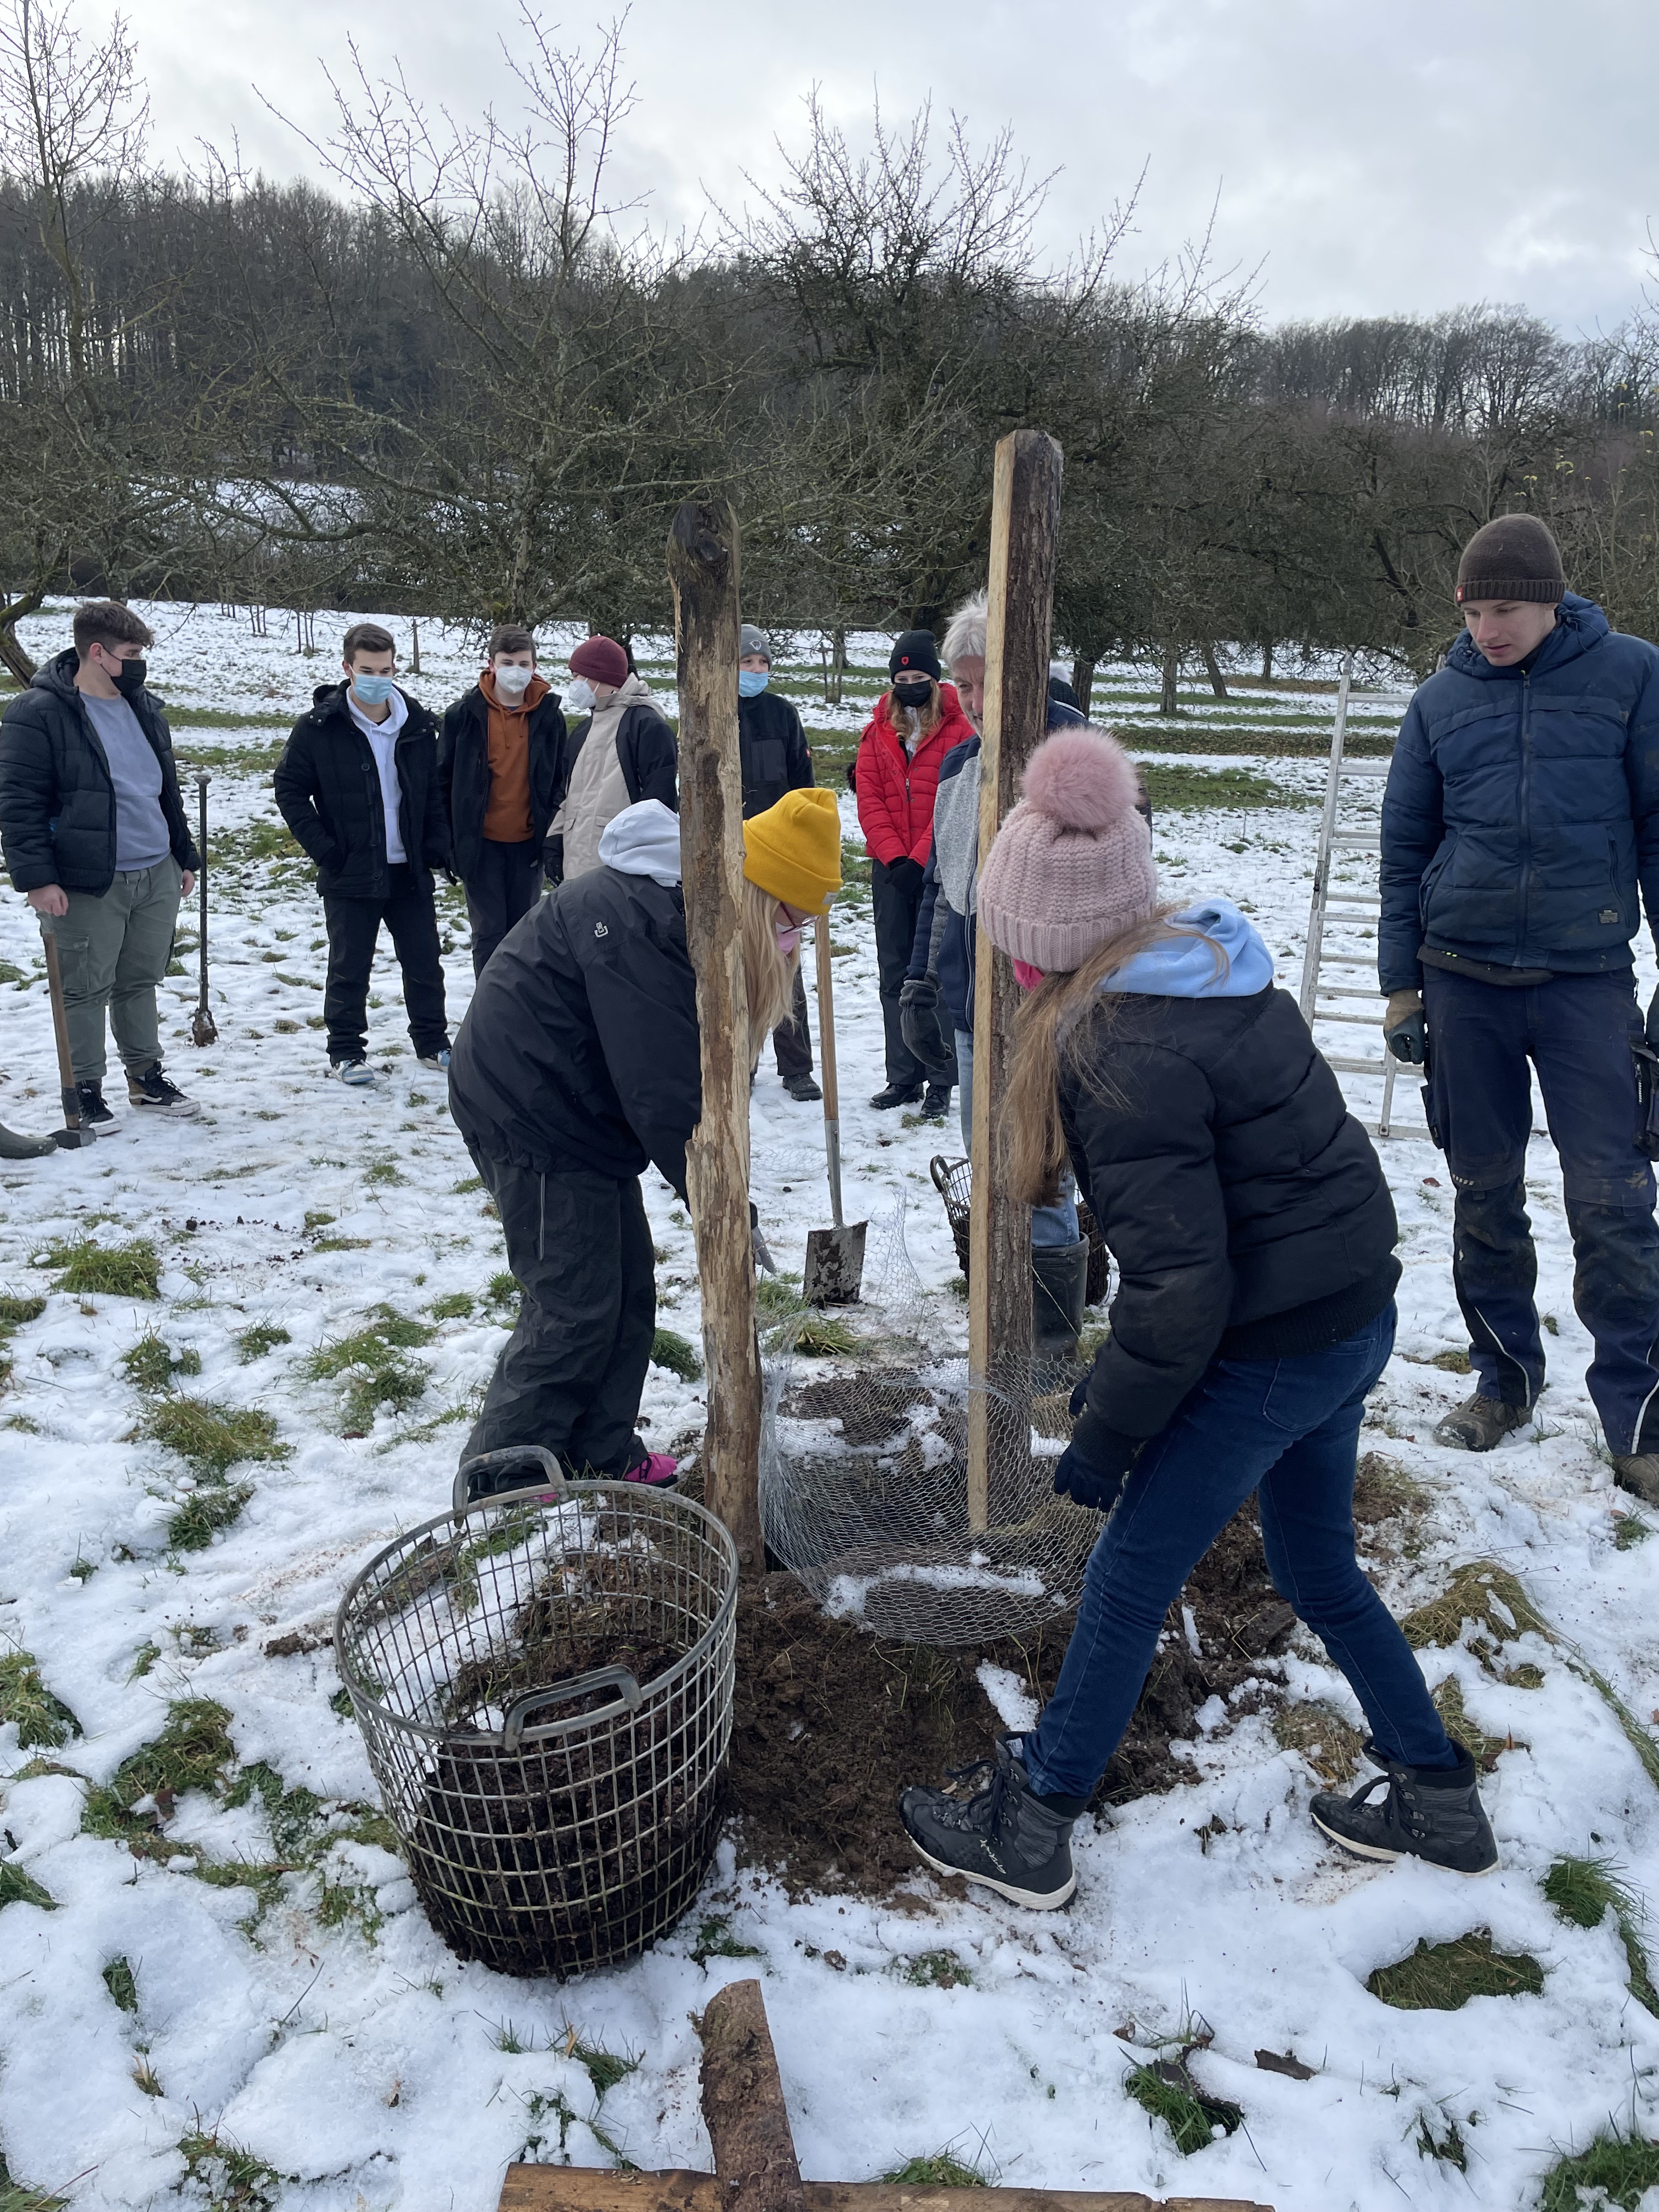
x=304, y=2038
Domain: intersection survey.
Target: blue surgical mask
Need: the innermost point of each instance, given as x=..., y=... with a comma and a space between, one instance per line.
x=373, y=690
x=751, y=682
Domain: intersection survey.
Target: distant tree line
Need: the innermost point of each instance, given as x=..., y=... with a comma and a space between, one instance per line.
x=464, y=380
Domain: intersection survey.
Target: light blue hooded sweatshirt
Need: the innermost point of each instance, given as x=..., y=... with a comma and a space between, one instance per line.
x=1223, y=958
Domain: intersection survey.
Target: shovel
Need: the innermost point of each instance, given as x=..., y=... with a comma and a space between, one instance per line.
x=834, y=1257
x=72, y=1135
x=203, y=1030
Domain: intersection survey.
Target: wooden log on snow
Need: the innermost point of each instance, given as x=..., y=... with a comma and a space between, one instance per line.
x=702, y=568
x=1025, y=539
x=742, y=2105
x=590, y=2189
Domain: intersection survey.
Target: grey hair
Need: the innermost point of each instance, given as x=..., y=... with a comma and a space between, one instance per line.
x=964, y=634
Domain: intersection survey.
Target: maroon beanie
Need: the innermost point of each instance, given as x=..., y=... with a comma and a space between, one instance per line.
x=1514, y=557
x=601, y=660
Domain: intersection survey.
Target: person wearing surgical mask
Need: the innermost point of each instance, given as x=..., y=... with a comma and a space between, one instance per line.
x=358, y=786
x=619, y=751
x=500, y=763
x=775, y=758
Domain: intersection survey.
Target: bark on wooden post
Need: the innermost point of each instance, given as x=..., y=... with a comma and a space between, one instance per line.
x=742, y=2105
x=1025, y=531
x=703, y=567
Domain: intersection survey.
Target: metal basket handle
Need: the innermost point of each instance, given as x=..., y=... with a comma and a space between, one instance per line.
x=602, y=1677
x=552, y=1478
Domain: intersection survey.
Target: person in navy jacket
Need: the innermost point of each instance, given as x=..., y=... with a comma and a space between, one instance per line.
x=1520, y=841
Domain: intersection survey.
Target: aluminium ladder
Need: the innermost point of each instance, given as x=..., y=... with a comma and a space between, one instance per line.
x=1333, y=910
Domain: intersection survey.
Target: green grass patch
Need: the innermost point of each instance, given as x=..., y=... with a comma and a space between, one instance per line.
x=15, y=2197
x=15, y=1312
x=1331, y=1746
x=150, y=1364
x=678, y=1354
x=259, y=1339
x=1166, y=2090
x=943, y=2170
x=370, y=1366
x=25, y=1700
x=1481, y=1593
x=220, y=718
x=232, y=2179
x=455, y=1305
x=1624, y=2168
x=212, y=1437
x=716, y=1941
x=1444, y=1977
x=1630, y=1530
x=94, y=1270
x=1453, y=1715
x=17, y=1887
x=1175, y=788
x=938, y=1970
x=258, y=841
x=206, y=1513
x=1585, y=1891
x=604, y=2068
x=118, y=1981
x=501, y=1291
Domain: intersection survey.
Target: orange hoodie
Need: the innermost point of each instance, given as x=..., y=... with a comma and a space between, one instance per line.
x=507, y=817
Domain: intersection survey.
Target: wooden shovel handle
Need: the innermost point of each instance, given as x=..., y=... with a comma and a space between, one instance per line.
x=826, y=1018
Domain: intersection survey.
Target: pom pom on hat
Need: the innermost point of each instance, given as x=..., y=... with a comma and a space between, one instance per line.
x=1073, y=864
x=1081, y=780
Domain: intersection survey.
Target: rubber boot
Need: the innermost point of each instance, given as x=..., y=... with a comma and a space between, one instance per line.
x=14, y=1146
x=1059, y=1277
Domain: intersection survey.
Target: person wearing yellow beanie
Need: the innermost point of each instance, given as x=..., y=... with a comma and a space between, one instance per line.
x=793, y=850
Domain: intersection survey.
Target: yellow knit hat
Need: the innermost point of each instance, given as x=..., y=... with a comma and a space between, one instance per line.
x=793, y=849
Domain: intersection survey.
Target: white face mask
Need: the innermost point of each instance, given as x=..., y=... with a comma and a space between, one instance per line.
x=578, y=696
x=513, y=679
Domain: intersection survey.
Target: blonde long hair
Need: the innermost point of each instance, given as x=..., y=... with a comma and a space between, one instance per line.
x=769, y=974
x=1060, y=1030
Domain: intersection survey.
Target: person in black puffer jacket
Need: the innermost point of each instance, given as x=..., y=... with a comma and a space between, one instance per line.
x=1255, y=1235
x=773, y=756
x=357, y=784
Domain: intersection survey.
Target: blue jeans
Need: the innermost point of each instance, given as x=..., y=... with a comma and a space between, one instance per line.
x=1577, y=1031
x=1289, y=1428
x=1050, y=1225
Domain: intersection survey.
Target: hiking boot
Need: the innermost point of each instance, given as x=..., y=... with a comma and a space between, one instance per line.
x=803, y=1088
x=936, y=1102
x=896, y=1094
x=1005, y=1836
x=15, y=1146
x=1638, y=1473
x=357, y=1072
x=1480, y=1423
x=439, y=1060
x=1432, y=1813
x=94, y=1114
x=156, y=1094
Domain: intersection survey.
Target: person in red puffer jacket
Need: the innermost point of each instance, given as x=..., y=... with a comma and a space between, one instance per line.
x=916, y=724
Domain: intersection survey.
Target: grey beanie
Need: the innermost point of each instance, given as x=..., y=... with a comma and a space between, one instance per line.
x=750, y=640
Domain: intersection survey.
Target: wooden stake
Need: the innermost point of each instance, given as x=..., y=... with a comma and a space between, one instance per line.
x=742, y=2105
x=703, y=567
x=1025, y=532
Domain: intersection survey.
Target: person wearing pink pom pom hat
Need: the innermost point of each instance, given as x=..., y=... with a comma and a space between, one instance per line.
x=1254, y=1235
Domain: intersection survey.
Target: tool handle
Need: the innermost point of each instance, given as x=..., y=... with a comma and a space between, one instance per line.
x=60, y=1029
x=826, y=1020
x=832, y=1155
x=201, y=885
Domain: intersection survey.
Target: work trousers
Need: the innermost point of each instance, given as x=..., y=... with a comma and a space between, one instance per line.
x=896, y=899
x=570, y=1375
x=1577, y=1032
x=1287, y=1428
x=792, y=1040
x=504, y=885
x=112, y=950
x=353, y=928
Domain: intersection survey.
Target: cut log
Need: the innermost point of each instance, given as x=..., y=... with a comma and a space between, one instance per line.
x=588, y=2189
x=742, y=2105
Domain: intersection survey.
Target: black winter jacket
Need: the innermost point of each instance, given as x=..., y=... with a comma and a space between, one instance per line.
x=1243, y=1202
x=329, y=790
x=579, y=1050
x=464, y=771
x=57, y=796
x=773, y=747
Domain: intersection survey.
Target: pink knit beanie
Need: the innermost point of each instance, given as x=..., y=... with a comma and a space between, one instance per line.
x=1073, y=864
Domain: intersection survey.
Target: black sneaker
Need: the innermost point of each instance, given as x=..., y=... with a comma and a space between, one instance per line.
x=1005, y=1836
x=156, y=1094
x=94, y=1114
x=936, y=1102
x=896, y=1094
x=804, y=1088
x=1432, y=1813
x=1480, y=1423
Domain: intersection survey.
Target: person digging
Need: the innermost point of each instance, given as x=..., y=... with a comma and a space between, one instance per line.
x=1254, y=1237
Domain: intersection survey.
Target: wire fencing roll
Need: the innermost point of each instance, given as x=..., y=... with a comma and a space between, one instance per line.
x=545, y=1684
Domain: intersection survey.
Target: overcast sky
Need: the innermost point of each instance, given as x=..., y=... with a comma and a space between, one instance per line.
x=1404, y=155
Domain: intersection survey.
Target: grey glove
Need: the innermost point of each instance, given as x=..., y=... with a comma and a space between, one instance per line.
x=1404, y=1030
x=764, y=1263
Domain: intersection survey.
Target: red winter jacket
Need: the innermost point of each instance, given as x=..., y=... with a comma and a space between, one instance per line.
x=896, y=794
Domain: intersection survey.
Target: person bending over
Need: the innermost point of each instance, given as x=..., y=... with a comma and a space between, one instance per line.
x=1255, y=1235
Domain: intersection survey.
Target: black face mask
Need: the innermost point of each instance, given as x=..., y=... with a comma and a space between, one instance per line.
x=131, y=678
x=913, y=690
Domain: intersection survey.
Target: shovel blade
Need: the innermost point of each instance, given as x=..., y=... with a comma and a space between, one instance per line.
x=835, y=1266
x=203, y=1030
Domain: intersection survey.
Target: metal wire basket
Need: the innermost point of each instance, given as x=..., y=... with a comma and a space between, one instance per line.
x=954, y=1181
x=544, y=1682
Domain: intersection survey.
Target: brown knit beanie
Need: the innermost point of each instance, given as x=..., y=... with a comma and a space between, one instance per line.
x=1073, y=864
x=1514, y=557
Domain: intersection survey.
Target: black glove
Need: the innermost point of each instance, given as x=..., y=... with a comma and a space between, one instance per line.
x=1091, y=1468
x=1653, y=1022
x=553, y=860
x=1404, y=1031
x=919, y=1022
x=907, y=874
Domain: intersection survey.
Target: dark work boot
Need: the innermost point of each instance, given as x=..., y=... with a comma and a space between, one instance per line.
x=1060, y=1278
x=1638, y=1473
x=896, y=1094
x=1005, y=1836
x=1480, y=1423
x=1432, y=1813
x=936, y=1102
